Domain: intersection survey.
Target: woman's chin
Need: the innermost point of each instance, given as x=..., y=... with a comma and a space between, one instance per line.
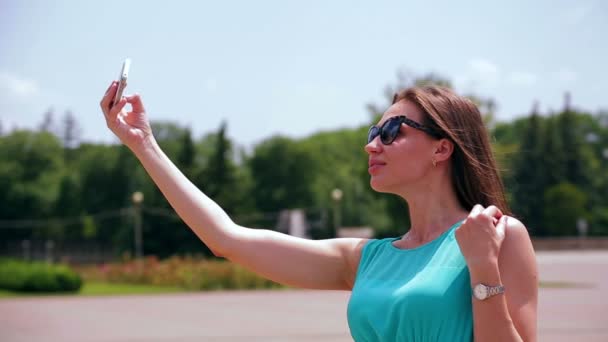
x=377, y=184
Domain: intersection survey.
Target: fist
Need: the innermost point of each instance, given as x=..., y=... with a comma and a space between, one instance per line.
x=481, y=234
x=131, y=127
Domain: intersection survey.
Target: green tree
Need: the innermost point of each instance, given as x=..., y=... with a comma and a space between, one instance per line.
x=48, y=121
x=582, y=166
x=186, y=157
x=552, y=157
x=339, y=160
x=574, y=151
x=30, y=171
x=282, y=174
x=70, y=135
x=169, y=136
x=564, y=205
x=31, y=167
x=67, y=205
x=597, y=138
x=529, y=184
x=220, y=178
x=102, y=187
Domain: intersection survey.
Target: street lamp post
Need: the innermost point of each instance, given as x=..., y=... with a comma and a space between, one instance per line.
x=582, y=227
x=336, y=195
x=138, y=199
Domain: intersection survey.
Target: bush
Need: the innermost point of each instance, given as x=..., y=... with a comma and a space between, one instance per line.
x=37, y=277
x=185, y=272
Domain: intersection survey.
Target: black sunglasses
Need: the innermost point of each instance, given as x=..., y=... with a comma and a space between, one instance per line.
x=391, y=128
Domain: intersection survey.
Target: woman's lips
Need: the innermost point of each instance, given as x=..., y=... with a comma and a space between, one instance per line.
x=374, y=168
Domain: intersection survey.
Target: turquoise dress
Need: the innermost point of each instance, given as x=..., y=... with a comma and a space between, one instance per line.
x=418, y=295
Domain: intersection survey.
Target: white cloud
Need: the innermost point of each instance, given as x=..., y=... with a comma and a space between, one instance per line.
x=483, y=67
x=565, y=75
x=522, y=78
x=479, y=72
x=18, y=86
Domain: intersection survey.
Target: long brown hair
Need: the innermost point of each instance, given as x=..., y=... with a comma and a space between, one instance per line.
x=475, y=176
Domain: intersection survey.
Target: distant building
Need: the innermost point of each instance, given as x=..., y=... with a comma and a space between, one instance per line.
x=356, y=232
x=293, y=222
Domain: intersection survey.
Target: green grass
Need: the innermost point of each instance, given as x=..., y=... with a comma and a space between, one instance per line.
x=563, y=285
x=4, y=294
x=103, y=289
x=96, y=289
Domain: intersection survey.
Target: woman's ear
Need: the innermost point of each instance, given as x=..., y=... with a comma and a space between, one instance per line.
x=443, y=149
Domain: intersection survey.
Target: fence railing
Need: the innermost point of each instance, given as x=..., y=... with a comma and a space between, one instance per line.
x=61, y=239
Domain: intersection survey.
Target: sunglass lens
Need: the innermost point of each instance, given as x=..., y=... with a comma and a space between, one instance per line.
x=372, y=134
x=389, y=131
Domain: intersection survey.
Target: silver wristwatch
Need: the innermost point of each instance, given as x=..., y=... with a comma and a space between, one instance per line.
x=482, y=291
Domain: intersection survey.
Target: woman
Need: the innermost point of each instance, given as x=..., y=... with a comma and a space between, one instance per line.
x=463, y=270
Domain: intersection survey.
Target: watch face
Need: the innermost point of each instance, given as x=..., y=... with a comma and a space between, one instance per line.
x=480, y=291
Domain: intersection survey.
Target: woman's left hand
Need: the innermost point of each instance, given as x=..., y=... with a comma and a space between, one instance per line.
x=480, y=236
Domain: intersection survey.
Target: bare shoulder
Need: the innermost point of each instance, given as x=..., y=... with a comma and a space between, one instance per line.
x=517, y=259
x=515, y=225
x=517, y=243
x=516, y=235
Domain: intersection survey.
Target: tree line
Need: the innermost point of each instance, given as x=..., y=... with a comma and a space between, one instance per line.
x=53, y=186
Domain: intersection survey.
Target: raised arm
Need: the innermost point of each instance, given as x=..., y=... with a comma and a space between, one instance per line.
x=501, y=255
x=323, y=264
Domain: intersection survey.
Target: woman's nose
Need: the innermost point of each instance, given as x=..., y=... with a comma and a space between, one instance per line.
x=374, y=146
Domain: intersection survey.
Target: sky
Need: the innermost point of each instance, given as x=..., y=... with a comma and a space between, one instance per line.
x=292, y=67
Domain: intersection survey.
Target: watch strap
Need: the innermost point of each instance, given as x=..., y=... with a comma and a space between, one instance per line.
x=494, y=290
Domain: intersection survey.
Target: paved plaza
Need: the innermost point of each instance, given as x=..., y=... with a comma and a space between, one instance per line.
x=565, y=313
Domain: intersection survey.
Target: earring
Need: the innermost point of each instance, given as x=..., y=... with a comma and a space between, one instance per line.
x=434, y=162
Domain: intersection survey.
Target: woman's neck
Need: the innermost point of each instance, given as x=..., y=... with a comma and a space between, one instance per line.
x=433, y=211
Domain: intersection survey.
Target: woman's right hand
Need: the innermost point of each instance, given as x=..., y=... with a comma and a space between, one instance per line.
x=131, y=127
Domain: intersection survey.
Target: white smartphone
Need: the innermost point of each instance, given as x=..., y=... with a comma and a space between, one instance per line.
x=122, y=80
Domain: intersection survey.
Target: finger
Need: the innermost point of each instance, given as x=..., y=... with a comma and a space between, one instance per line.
x=136, y=103
x=106, y=101
x=477, y=209
x=493, y=212
x=117, y=108
x=501, y=227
